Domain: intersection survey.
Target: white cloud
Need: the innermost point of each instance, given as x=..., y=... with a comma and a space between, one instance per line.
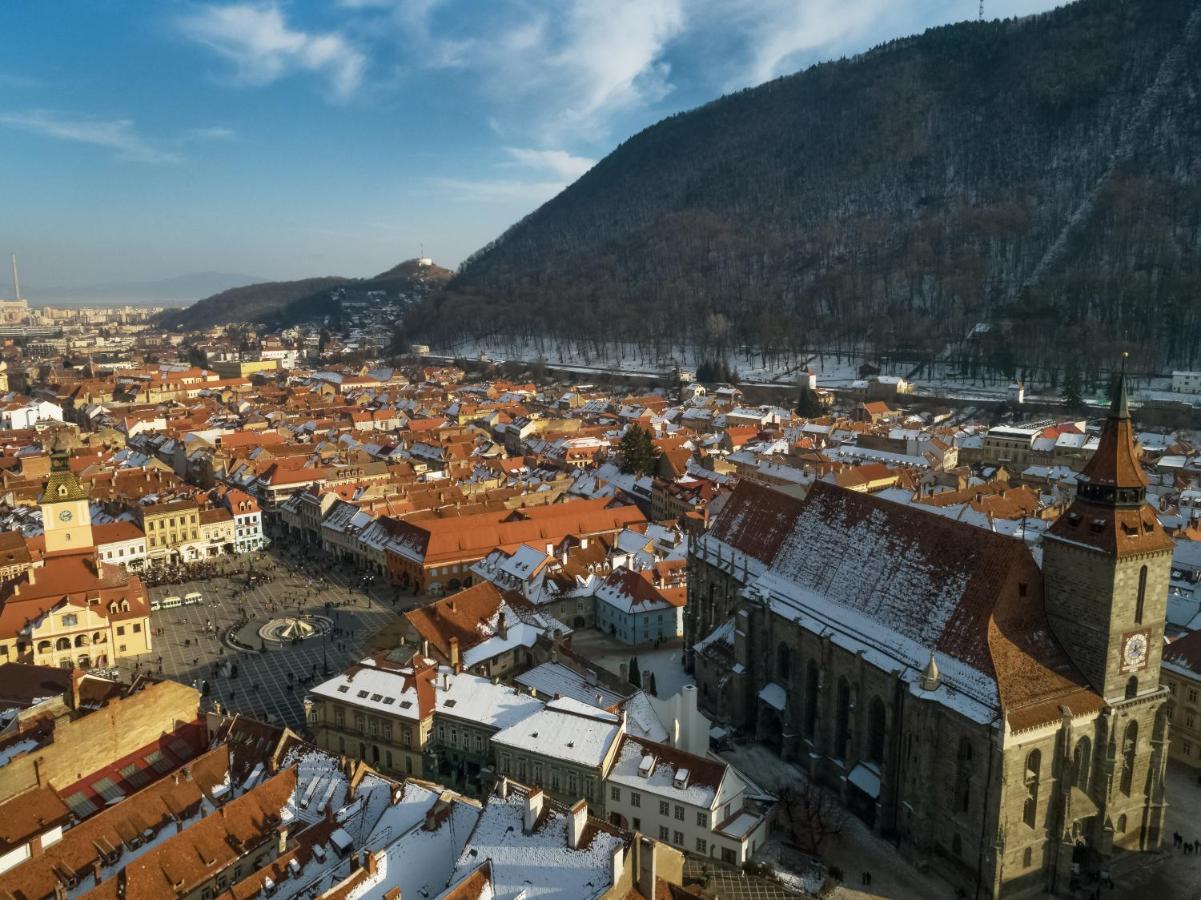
x=118, y=135
x=560, y=162
x=492, y=191
x=213, y=133
x=263, y=48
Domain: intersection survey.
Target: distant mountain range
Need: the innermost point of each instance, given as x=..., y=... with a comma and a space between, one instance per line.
x=1013, y=195
x=166, y=291
x=310, y=299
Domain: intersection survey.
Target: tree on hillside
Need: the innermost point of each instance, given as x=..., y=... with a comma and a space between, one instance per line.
x=1072, y=397
x=637, y=451
x=808, y=405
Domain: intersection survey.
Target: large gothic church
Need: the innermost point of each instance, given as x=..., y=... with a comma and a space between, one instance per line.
x=1001, y=720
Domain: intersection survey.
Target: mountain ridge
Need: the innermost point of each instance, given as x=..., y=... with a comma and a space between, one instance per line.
x=986, y=194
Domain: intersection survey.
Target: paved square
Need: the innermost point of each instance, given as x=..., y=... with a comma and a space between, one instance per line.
x=270, y=684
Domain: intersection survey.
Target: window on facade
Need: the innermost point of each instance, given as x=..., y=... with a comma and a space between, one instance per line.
x=137, y=628
x=1082, y=758
x=677, y=838
x=1027, y=858
x=702, y=820
x=637, y=824
x=701, y=846
x=680, y=813
x=963, y=776
x=1033, y=768
x=1142, y=595
x=783, y=662
x=120, y=630
x=615, y=793
x=811, y=685
x=1129, y=747
x=842, y=720
x=875, y=730
x=70, y=621
x=664, y=808
x=664, y=833
x=635, y=798
x=728, y=856
x=339, y=716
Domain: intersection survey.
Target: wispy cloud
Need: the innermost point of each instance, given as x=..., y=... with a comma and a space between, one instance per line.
x=264, y=48
x=560, y=162
x=212, y=133
x=498, y=191
x=117, y=135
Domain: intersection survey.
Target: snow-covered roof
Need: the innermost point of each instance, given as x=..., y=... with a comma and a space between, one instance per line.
x=566, y=729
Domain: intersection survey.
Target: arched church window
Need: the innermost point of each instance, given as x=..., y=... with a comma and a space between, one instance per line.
x=963, y=776
x=783, y=660
x=1082, y=759
x=842, y=722
x=876, y=721
x=1129, y=746
x=811, y=686
x=1033, y=769
x=1142, y=595
x=1132, y=687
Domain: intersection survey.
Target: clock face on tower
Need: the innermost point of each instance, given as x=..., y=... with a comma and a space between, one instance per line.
x=1134, y=651
x=65, y=515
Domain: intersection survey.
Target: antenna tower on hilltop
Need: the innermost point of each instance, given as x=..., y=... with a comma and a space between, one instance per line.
x=16, y=280
x=980, y=18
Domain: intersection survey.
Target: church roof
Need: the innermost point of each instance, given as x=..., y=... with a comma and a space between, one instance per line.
x=63, y=484
x=1110, y=513
x=903, y=581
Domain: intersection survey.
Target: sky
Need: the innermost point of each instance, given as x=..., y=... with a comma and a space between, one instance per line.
x=146, y=139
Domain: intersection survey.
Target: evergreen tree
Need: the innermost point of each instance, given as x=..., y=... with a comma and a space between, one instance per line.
x=637, y=451
x=1072, y=396
x=635, y=676
x=654, y=688
x=807, y=405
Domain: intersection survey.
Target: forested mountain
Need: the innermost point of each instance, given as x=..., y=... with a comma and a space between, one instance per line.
x=310, y=299
x=1004, y=194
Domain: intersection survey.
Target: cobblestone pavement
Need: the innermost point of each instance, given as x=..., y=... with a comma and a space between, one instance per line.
x=268, y=685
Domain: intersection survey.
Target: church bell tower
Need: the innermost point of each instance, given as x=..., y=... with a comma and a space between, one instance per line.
x=66, y=514
x=1107, y=564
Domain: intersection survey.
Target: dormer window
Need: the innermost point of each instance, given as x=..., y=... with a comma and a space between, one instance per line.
x=62, y=490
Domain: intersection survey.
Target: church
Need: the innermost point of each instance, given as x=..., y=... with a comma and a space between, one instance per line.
x=999, y=717
x=72, y=610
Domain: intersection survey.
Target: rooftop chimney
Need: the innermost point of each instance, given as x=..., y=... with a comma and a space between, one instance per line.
x=577, y=819
x=454, y=651
x=533, y=809
x=502, y=626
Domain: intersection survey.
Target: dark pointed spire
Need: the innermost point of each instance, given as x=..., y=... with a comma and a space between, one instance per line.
x=1119, y=404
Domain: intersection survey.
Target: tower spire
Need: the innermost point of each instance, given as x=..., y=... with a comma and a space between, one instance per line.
x=1119, y=403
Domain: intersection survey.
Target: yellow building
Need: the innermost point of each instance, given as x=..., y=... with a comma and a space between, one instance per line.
x=73, y=610
x=66, y=516
x=172, y=530
x=243, y=368
x=1181, y=674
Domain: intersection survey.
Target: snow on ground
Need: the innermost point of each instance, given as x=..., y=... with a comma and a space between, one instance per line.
x=855, y=850
x=666, y=661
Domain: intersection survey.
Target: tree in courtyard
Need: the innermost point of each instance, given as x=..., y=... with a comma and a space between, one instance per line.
x=635, y=676
x=654, y=688
x=810, y=815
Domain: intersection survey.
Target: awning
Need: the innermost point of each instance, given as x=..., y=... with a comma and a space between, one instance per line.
x=773, y=695
x=866, y=779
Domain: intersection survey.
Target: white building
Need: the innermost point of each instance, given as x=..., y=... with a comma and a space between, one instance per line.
x=121, y=544
x=18, y=416
x=695, y=803
x=1186, y=382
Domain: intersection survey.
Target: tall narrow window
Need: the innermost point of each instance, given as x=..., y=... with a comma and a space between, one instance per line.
x=842, y=723
x=1142, y=595
x=1082, y=759
x=876, y=720
x=783, y=660
x=1033, y=768
x=963, y=776
x=1129, y=745
x=811, y=685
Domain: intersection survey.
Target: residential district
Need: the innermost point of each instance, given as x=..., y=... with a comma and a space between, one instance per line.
x=278, y=618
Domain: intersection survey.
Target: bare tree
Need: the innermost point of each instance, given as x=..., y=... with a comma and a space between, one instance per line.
x=810, y=815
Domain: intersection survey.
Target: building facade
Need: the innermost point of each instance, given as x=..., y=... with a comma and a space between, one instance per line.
x=1004, y=725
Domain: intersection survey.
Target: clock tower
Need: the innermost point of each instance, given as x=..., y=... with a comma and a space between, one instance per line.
x=66, y=516
x=1107, y=563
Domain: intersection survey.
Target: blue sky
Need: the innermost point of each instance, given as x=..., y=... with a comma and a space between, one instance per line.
x=142, y=139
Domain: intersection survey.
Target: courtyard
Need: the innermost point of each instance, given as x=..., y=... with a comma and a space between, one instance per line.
x=241, y=643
